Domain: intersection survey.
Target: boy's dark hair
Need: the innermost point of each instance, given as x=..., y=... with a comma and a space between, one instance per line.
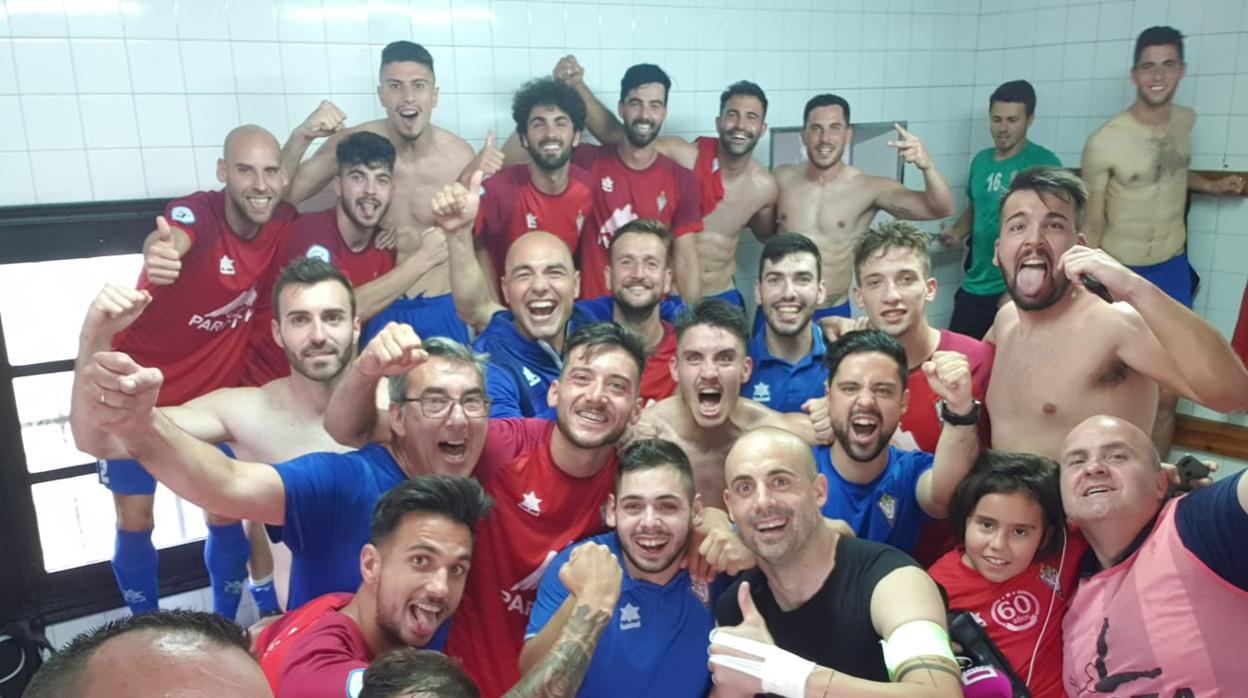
x=645, y=454
x=547, y=92
x=1050, y=181
x=410, y=671
x=644, y=74
x=643, y=226
x=1015, y=91
x=367, y=149
x=1004, y=472
x=602, y=335
x=713, y=312
x=460, y=499
x=61, y=675
x=743, y=88
x=406, y=52
x=862, y=342
x=308, y=271
x=826, y=100
x=782, y=245
x=1158, y=36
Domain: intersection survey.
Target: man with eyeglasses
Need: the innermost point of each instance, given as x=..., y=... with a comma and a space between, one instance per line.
x=321, y=501
x=1136, y=170
x=549, y=479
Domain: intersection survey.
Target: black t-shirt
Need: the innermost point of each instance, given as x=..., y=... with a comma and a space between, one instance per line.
x=833, y=628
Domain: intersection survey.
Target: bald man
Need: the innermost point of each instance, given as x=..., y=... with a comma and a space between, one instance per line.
x=820, y=603
x=540, y=284
x=184, y=653
x=203, y=267
x=1158, y=568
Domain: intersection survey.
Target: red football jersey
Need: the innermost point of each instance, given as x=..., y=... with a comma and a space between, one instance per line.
x=538, y=511
x=196, y=329
x=314, y=650
x=512, y=206
x=664, y=191
x=706, y=170
x=656, y=380
x=1017, y=611
x=311, y=235
x=921, y=418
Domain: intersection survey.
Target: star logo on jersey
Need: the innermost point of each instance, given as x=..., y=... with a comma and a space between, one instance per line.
x=318, y=252
x=531, y=503
x=630, y=617
x=661, y=201
x=608, y=185
x=888, y=505
x=227, y=265
x=762, y=392
x=530, y=220
x=530, y=377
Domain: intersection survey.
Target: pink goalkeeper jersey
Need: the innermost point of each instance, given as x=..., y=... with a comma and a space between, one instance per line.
x=1159, y=623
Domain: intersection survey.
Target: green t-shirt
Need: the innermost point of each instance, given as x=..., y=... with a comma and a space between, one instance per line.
x=988, y=181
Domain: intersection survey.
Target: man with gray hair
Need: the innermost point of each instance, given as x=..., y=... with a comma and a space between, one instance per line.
x=1043, y=383
x=321, y=501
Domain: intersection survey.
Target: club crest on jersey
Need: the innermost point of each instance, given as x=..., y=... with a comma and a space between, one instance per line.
x=661, y=201
x=318, y=252
x=888, y=505
x=762, y=392
x=1048, y=575
x=630, y=617
x=608, y=185
x=580, y=220
x=701, y=591
x=182, y=214
x=531, y=503
x=227, y=265
x=530, y=220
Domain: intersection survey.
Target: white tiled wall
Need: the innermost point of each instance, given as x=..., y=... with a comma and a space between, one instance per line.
x=1079, y=55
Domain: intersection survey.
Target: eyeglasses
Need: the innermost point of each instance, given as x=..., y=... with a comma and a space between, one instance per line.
x=439, y=406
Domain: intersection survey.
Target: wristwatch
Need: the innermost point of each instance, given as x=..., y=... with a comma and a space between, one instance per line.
x=959, y=420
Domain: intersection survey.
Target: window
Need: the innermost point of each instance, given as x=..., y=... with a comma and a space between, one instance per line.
x=53, y=261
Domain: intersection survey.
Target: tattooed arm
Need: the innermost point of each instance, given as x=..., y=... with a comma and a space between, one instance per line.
x=592, y=575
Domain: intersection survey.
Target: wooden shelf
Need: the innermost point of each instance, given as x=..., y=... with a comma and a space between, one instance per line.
x=1230, y=440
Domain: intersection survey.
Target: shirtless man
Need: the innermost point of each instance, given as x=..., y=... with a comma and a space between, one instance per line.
x=707, y=414
x=834, y=203
x=1063, y=354
x=1136, y=169
x=737, y=191
x=427, y=158
x=316, y=328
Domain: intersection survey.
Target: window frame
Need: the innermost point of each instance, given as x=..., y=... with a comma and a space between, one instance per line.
x=41, y=233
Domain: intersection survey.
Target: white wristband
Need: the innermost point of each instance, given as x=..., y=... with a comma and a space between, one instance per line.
x=781, y=672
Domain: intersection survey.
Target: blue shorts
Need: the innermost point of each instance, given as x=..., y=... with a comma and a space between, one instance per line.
x=126, y=477
x=842, y=310
x=1174, y=276
x=673, y=303
x=430, y=316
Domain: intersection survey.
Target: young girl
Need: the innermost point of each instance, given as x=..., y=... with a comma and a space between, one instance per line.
x=1015, y=563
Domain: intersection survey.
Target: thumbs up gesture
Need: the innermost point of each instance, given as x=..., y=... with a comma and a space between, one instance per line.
x=162, y=259
x=726, y=672
x=455, y=206
x=489, y=159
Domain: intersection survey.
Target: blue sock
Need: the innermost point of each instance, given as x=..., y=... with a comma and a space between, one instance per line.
x=135, y=567
x=225, y=555
x=264, y=593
